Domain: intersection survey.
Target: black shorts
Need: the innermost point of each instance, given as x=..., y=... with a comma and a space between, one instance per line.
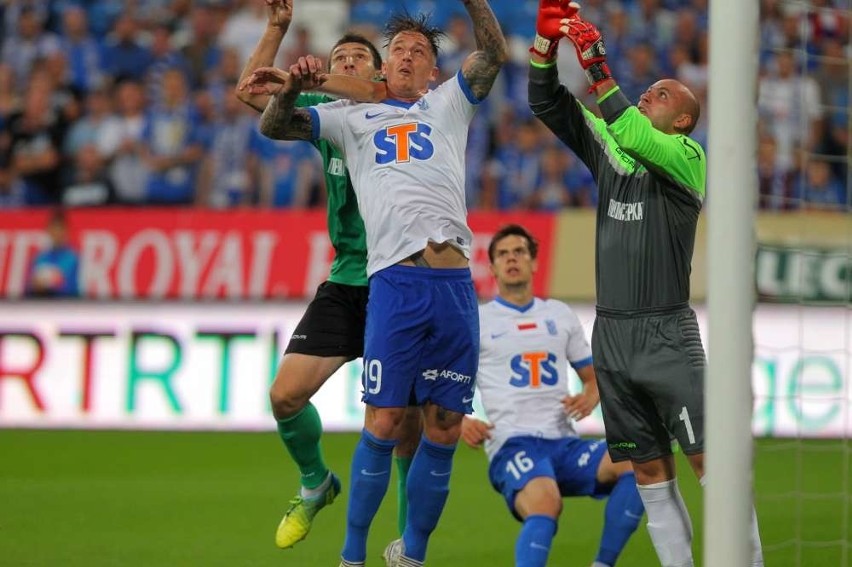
x=333, y=324
x=650, y=373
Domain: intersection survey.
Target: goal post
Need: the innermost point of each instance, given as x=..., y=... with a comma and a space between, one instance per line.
x=731, y=201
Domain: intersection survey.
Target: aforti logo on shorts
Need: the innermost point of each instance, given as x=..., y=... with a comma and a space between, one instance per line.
x=434, y=373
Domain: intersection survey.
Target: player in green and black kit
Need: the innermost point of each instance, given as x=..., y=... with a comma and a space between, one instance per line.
x=331, y=331
x=647, y=349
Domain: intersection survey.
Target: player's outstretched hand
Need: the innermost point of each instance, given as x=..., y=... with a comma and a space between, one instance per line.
x=589, y=45
x=310, y=70
x=475, y=431
x=269, y=81
x=581, y=405
x=587, y=40
x=551, y=13
x=280, y=13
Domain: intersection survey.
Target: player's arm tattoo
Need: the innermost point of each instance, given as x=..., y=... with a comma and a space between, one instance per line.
x=282, y=121
x=481, y=67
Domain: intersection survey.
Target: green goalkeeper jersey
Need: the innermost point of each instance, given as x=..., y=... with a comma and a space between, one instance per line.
x=345, y=227
x=650, y=193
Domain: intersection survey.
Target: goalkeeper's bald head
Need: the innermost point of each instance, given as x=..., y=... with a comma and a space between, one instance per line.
x=689, y=106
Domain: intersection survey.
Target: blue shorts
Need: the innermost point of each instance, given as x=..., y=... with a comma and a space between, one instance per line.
x=572, y=462
x=421, y=343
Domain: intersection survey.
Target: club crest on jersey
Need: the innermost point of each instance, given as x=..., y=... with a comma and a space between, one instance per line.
x=551, y=327
x=533, y=370
x=400, y=143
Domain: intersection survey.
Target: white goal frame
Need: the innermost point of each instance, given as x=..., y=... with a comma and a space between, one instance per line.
x=731, y=201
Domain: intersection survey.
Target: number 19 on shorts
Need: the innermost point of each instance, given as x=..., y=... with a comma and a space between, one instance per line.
x=373, y=376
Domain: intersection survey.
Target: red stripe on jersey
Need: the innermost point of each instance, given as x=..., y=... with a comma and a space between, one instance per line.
x=527, y=326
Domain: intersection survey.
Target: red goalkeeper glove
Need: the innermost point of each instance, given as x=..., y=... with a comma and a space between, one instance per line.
x=547, y=24
x=591, y=52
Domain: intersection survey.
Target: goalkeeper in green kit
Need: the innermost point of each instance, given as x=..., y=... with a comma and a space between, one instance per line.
x=646, y=345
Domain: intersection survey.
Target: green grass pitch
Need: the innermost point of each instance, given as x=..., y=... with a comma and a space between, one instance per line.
x=156, y=499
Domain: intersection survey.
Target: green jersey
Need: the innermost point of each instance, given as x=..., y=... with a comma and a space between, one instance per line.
x=345, y=227
x=650, y=193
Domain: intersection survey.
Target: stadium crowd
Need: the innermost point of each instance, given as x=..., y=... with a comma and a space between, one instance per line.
x=132, y=103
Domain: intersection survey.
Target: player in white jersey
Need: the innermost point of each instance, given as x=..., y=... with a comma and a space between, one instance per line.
x=405, y=158
x=536, y=457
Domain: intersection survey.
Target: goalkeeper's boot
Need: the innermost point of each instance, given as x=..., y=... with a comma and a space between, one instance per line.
x=394, y=556
x=296, y=523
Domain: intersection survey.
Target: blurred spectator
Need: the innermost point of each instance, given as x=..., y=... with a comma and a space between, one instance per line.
x=791, y=29
x=564, y=183
x=821, y=190
x=81, y=50
x=164, y=56
x=516, y=167
x=687, y=29
x=91, y=126
x=13, y=9
x=221, y=81
x=54, y=271
x=101, y=15
x=200, y=48
x=652, y=23
x=826, y=21
x=172, y=144
x=121, y=144
x=230, y=172
x=771, y=33
x=694, y=72
x=616, y=29
x=833, y=77
x=642, y=73
x=10, y=99
x=29, y=43
x=457, y=45
x=300, y=42
x=48, y=75
x=37, y=133
x=243, y=28
x=582, y=191
x=88, y=184
x=788, y=103
x=125, y=56
x=289, y=174
x=149, y=12
x=12, y=191
x=551, y=193
x=777, y=186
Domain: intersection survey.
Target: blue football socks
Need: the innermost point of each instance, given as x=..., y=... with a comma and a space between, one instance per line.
x=624, y=510
x=371, y=471
x=428, y=488
x=533, y=544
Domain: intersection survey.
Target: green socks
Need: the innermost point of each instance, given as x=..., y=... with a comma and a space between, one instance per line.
x=402, y=466
x=301, y=435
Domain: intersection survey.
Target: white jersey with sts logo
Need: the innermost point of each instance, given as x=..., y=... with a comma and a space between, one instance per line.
x=406, y=161
x=523, y=363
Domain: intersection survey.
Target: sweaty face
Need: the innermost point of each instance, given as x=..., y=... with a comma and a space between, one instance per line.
x=663, y=103
x=513, y=263
x=353, y=59
x=410, y=65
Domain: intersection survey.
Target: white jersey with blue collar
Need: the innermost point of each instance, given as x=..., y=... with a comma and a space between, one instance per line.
x=406, y=161
x=523, y=363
